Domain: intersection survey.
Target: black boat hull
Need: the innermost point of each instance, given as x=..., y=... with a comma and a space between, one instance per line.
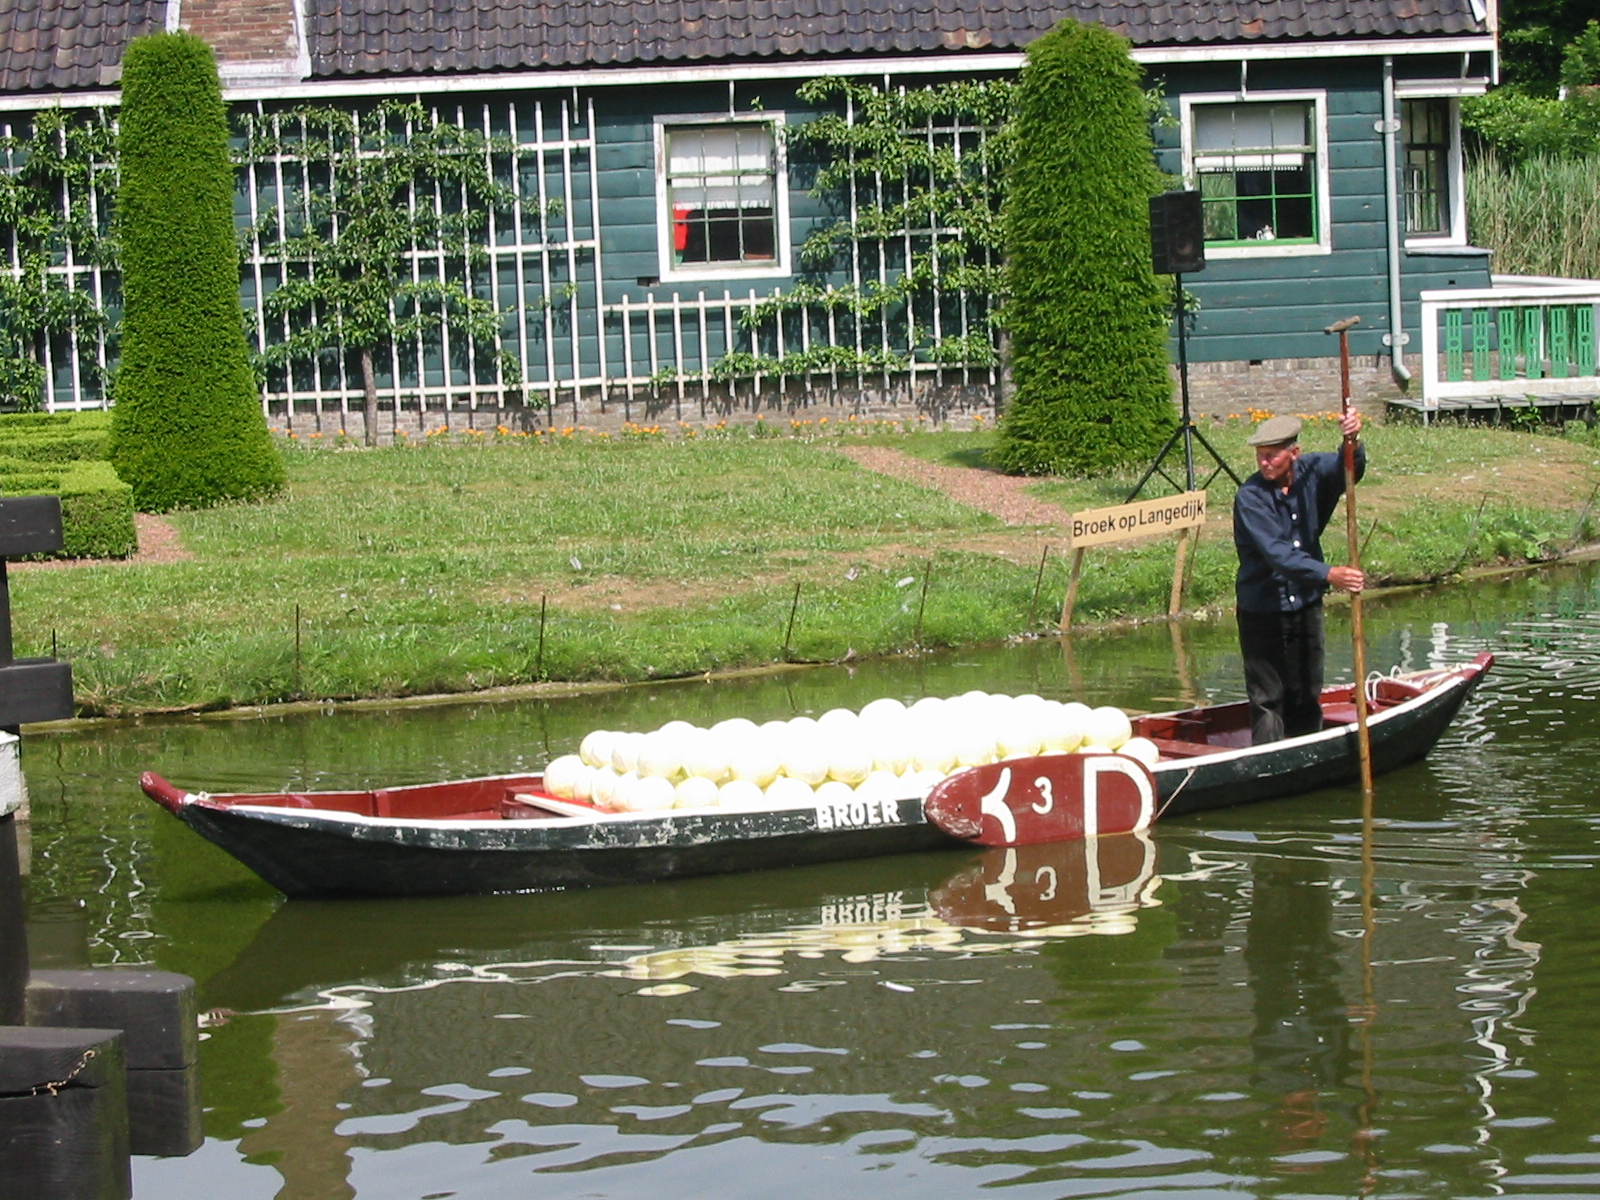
x=304, y=845
x=1300, y=765
x=304, y=854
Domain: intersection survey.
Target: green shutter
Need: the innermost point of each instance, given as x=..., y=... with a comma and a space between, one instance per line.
x=1533, y=341
x=1452, y=346
x=1584, y=337
x=1558, y=340
x=1480, y=343
x=1508, y=343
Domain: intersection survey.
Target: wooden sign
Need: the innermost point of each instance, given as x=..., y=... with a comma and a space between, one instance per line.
x=1014, y=888
x=1183, y=514
x=1051, y=798
x=1143, y=518
x=29, y=525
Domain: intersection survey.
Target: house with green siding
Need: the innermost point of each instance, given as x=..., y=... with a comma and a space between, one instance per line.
x=651, y=266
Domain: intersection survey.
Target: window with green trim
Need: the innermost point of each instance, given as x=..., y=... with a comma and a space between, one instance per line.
x=1425, y=133
x=1256, y=168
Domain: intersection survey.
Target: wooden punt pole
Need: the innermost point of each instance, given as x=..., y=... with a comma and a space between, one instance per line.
x=1358, y=635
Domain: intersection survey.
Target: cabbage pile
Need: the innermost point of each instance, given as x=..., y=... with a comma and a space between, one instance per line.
x=886, y=751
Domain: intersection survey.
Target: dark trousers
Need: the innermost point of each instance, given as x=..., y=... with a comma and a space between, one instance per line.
x=1282, y=672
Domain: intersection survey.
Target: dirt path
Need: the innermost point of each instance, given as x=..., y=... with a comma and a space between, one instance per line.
x=1003, y=496
x=159, y=542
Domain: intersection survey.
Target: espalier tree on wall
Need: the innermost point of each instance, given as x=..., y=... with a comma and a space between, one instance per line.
x=187, y=430
x=53, y=209
x=916, y=175
x=1086, y=315
x=368, y=216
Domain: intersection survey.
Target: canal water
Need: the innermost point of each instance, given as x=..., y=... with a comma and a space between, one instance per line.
x=1192, y=1013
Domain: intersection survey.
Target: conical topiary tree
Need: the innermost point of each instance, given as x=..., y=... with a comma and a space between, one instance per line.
x=187, y=430
x=1086, y=315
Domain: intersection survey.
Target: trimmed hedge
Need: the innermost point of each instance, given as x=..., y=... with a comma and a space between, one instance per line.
x=96, y=506
x=60, y=437
x=187, y=429
x=1087, y=316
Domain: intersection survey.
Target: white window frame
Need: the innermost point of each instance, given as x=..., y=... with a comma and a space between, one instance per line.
x=1188, y=102
x=697, y=272
x=1455, y=169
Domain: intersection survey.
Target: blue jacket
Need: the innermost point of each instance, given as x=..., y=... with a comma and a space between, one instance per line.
x=1279, y=536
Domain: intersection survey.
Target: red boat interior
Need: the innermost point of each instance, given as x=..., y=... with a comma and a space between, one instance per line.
x=518, y=798
x=509, y=796
x=1227, y=726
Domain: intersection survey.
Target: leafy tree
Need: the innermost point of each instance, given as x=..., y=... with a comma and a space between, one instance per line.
x=364, y=206
x=1087, y=317
x=187, y=429
x=52, y=200
x=1580, y=61
x=1533, y=38
x=1519, y=121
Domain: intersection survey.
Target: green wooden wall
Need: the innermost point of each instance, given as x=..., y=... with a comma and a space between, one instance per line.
x=1260, y=308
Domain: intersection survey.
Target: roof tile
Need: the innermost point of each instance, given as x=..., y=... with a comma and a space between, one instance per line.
x=75, y=39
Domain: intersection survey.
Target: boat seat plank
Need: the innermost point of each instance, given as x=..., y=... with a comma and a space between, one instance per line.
x=1171, y=748
x=534, y=806
x=1175, y=729
x=1335, y=715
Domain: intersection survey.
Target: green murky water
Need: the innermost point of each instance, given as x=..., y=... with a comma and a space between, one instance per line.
x=1192, y=1020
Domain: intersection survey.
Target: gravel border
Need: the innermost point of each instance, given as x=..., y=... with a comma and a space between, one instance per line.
x=1003, y=496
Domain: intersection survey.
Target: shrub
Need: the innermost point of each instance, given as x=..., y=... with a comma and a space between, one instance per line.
x=187, y=430
x=63, y=437
x=1523, y=121
x=1087, y=317
x=96, y=506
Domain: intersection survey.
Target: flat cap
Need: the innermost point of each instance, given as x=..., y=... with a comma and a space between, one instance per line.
x=1274, y=430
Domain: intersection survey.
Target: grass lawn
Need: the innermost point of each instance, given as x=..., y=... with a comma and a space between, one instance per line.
x=421, y=569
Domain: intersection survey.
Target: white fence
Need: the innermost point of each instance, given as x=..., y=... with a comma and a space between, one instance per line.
x=572, y=343
x=1525, y=343
x=542, y=274
x=75, y=358
x=722, y=351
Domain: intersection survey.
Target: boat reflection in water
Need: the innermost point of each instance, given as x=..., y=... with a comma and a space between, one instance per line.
x=555, y=1027
x=1055, y=890
x=948, y=1022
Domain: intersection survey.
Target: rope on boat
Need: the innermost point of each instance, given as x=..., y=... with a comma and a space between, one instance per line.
x=1176, y=793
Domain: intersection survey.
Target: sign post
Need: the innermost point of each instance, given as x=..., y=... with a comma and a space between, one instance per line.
x=1183, y=514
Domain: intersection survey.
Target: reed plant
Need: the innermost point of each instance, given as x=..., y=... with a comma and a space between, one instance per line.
x=1540, y=216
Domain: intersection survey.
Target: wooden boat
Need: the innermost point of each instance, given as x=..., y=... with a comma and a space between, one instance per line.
x=502, y=834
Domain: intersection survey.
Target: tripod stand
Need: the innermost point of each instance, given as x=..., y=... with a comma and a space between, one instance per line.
x=1186, y=430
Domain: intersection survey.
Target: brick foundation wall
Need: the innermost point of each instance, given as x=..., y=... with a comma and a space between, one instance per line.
x=1308, y=385
x=951, y=405
x=1295, y=385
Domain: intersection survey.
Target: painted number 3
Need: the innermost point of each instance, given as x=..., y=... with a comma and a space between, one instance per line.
x=1043, y=784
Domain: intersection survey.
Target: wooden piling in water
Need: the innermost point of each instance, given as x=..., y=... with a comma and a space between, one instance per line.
x=64, y=1109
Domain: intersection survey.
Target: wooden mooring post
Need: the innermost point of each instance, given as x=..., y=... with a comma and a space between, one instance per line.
x=31, y=689
x=70, y=1107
